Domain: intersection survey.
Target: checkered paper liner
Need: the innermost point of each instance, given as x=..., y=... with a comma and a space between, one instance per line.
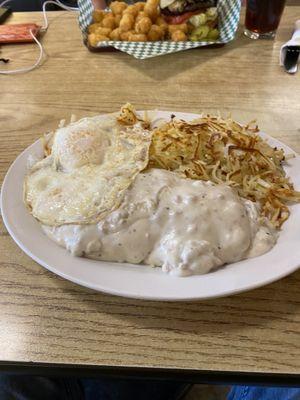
x=228, y=19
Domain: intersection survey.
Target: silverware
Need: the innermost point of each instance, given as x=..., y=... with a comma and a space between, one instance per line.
x=291, y=59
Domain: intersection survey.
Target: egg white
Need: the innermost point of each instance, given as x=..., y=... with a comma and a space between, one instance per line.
x=92, y=163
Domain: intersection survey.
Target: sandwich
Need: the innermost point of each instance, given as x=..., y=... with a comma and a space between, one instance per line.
x=179, y=11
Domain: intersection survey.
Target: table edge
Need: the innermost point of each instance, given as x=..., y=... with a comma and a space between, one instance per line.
x=167, y=374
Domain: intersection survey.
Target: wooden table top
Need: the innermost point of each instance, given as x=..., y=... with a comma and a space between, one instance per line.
x=47, y=319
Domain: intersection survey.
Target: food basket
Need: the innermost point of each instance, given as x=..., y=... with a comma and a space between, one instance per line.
x=228, y=19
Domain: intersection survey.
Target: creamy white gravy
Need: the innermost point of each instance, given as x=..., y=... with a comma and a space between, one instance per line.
x=185, y=226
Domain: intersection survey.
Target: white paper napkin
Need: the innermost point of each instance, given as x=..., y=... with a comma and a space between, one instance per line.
x=295, y=41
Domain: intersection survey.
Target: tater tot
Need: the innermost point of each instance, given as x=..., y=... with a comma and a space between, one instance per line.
x=92, y=39
x=178, y=27
x=115, y=34
x=102, y=38
x=98, y=15
x=153, y=3
x=140, y=15
x=108, y=22
x=137, y=37
x=118, y=18
x=162, y=23
x=95, y=39
x=178, y=36
x=126, y=23
x=140, y=6
x=143, y=25
x=117, y=7
x=103, y=31
x=151, y=11
x=131, y=10
x=92, y=28
x=155, y=33
x=125, y=35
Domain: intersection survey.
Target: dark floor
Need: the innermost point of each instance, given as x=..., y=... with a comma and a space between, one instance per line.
x=207, y=392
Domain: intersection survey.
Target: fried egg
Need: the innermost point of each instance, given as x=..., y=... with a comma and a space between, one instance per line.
x=92, y=163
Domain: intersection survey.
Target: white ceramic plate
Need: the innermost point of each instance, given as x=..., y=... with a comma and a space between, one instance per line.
x=144, y=282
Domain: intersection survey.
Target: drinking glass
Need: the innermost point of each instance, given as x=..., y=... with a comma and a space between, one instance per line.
x=262, y=18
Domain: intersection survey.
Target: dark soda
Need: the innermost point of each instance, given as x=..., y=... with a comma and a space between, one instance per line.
x=263, y=16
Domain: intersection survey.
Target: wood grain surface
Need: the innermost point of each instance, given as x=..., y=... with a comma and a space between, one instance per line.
x=47, y=319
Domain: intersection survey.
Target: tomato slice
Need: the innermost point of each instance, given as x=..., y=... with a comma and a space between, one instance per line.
x=179, y=19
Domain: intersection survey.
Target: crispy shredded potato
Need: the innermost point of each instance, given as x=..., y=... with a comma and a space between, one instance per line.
x=128, y=116
x=223, y=151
